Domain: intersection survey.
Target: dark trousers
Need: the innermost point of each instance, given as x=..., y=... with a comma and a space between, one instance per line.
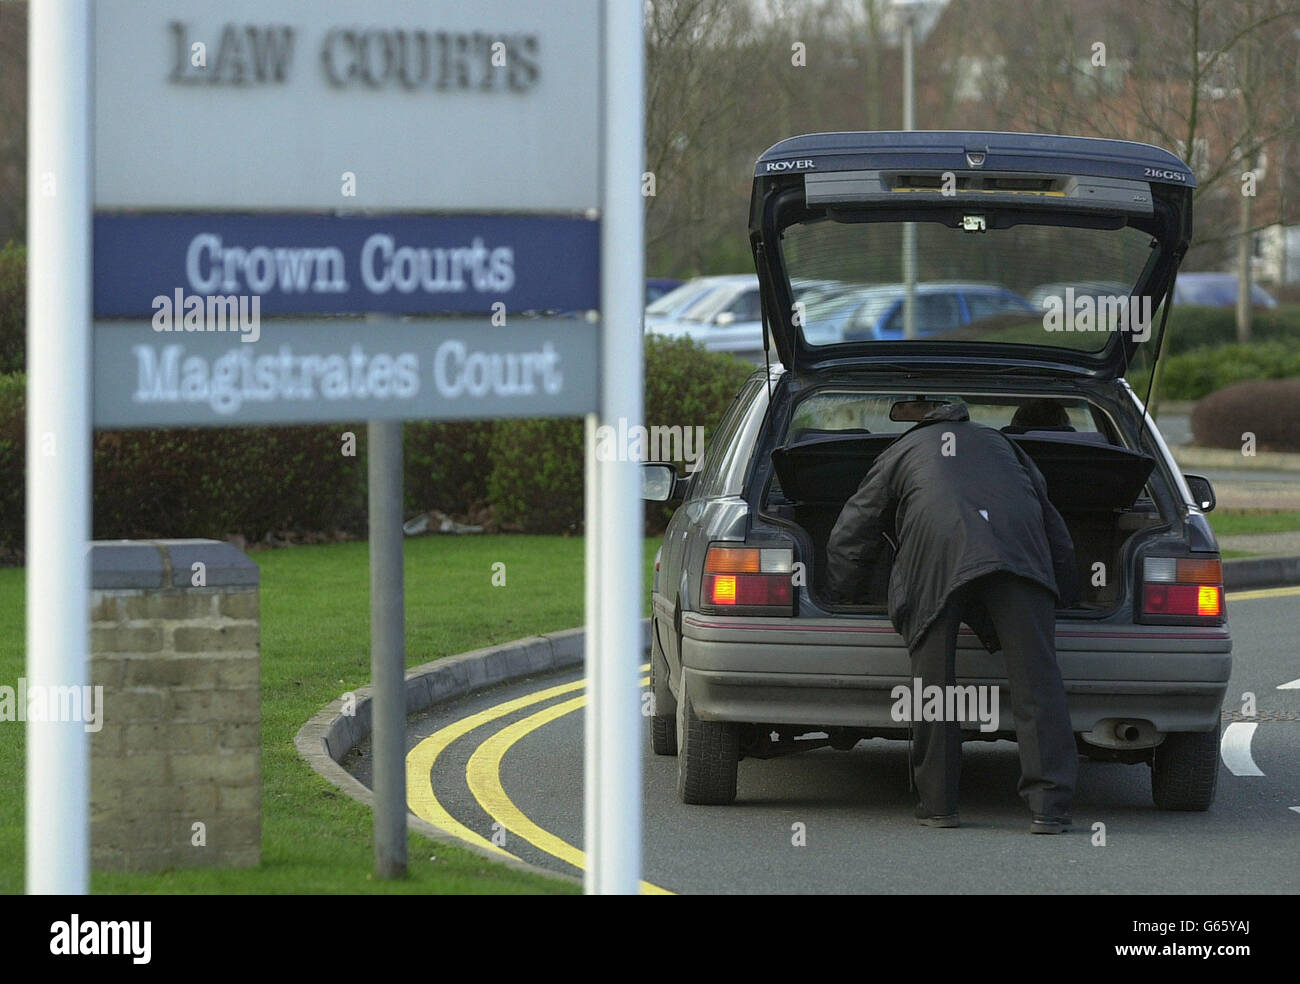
x=1024, y=614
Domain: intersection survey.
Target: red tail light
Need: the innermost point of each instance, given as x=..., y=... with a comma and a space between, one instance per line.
x=1182, y=587
x=749, y=578
x=1183, y=599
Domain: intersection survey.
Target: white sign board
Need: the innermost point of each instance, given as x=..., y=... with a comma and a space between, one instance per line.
x=268, y=104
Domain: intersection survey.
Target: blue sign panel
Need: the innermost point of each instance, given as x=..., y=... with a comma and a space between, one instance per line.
x=148, y=264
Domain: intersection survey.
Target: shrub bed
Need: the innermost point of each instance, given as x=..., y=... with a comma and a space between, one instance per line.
x=1192, y=327
x=1266, y=408
x=291, y=482
x=13, y=451
x=13, y=308
x=1192, y=375
x=536, y=481
x=445, y=465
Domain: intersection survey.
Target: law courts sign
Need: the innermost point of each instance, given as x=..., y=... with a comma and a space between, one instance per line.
x=264, y=104
x=335, y=210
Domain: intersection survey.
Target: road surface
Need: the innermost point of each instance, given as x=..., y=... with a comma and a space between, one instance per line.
x=504, y=767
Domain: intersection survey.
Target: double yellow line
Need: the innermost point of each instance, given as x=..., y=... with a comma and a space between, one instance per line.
x=483, y=775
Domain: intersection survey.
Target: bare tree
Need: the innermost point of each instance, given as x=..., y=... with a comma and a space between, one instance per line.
x=726, y=80
x=13, y=120
x=1212, y=80
x=693, y=110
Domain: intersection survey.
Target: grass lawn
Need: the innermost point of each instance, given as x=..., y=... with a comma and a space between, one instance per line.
x=1230, y=524
x=315, y=646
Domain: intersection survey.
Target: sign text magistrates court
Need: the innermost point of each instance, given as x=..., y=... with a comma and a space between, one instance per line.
x=383, y=178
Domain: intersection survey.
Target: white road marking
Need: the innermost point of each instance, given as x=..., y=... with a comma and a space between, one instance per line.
x=1235, y=749
x=1293, y=685
x=1296, y=808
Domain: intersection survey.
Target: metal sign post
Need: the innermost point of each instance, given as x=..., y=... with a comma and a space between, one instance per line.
x=58, y=439
x=614, y=590
x=387, y=644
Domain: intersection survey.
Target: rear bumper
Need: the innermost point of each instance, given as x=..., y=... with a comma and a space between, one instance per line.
x=839, y=673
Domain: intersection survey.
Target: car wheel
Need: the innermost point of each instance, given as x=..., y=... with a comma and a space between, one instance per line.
x=1185, y=770
x=663, y=722
x=708, y=753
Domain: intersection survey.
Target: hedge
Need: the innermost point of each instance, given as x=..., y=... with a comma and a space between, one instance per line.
x=13, y=450
x=1201, y=352
x=535, y=484
x=13, y=308
x=254, y=482
x=1266, y=408
x=1192, y=327
x=216, y=482
x=536, y=481
x=685, y=385
x=445, y=465
x=260, y=482
x=1195, y=374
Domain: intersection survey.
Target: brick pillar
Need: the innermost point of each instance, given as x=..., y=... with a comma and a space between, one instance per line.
x=174, y=644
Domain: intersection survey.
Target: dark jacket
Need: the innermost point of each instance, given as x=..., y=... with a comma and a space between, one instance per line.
x=962, y=501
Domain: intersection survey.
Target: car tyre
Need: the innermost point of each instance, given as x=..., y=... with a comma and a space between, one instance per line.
x=1185, y=770
x=663, y=726
x=708, y=755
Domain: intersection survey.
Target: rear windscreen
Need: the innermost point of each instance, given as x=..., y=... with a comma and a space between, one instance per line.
x=1050, y=285
x=831, y=412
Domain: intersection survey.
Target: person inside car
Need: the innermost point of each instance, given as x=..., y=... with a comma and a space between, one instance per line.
x=978, y=542
x=1039, y=415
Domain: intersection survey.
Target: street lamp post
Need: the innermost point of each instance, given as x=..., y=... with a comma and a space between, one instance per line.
x=908, y=9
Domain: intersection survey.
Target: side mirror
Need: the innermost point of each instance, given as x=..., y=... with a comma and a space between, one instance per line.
x=1202, y=491
x=723, y=318
x=658, y=482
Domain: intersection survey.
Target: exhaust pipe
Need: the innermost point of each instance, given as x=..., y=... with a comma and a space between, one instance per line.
x=1128, y=734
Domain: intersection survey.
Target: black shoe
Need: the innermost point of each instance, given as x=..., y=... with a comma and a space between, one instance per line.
x=1042, y=824
x=927, y=819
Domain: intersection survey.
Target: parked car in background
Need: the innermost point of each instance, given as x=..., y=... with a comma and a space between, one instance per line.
x=728, y=318
x=1217, y=290
x=750, y=657
x=1040, y=295
x=878, y=311
x=657, y=287
x=734, y=301
x=812, y=292
x=670, y=306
